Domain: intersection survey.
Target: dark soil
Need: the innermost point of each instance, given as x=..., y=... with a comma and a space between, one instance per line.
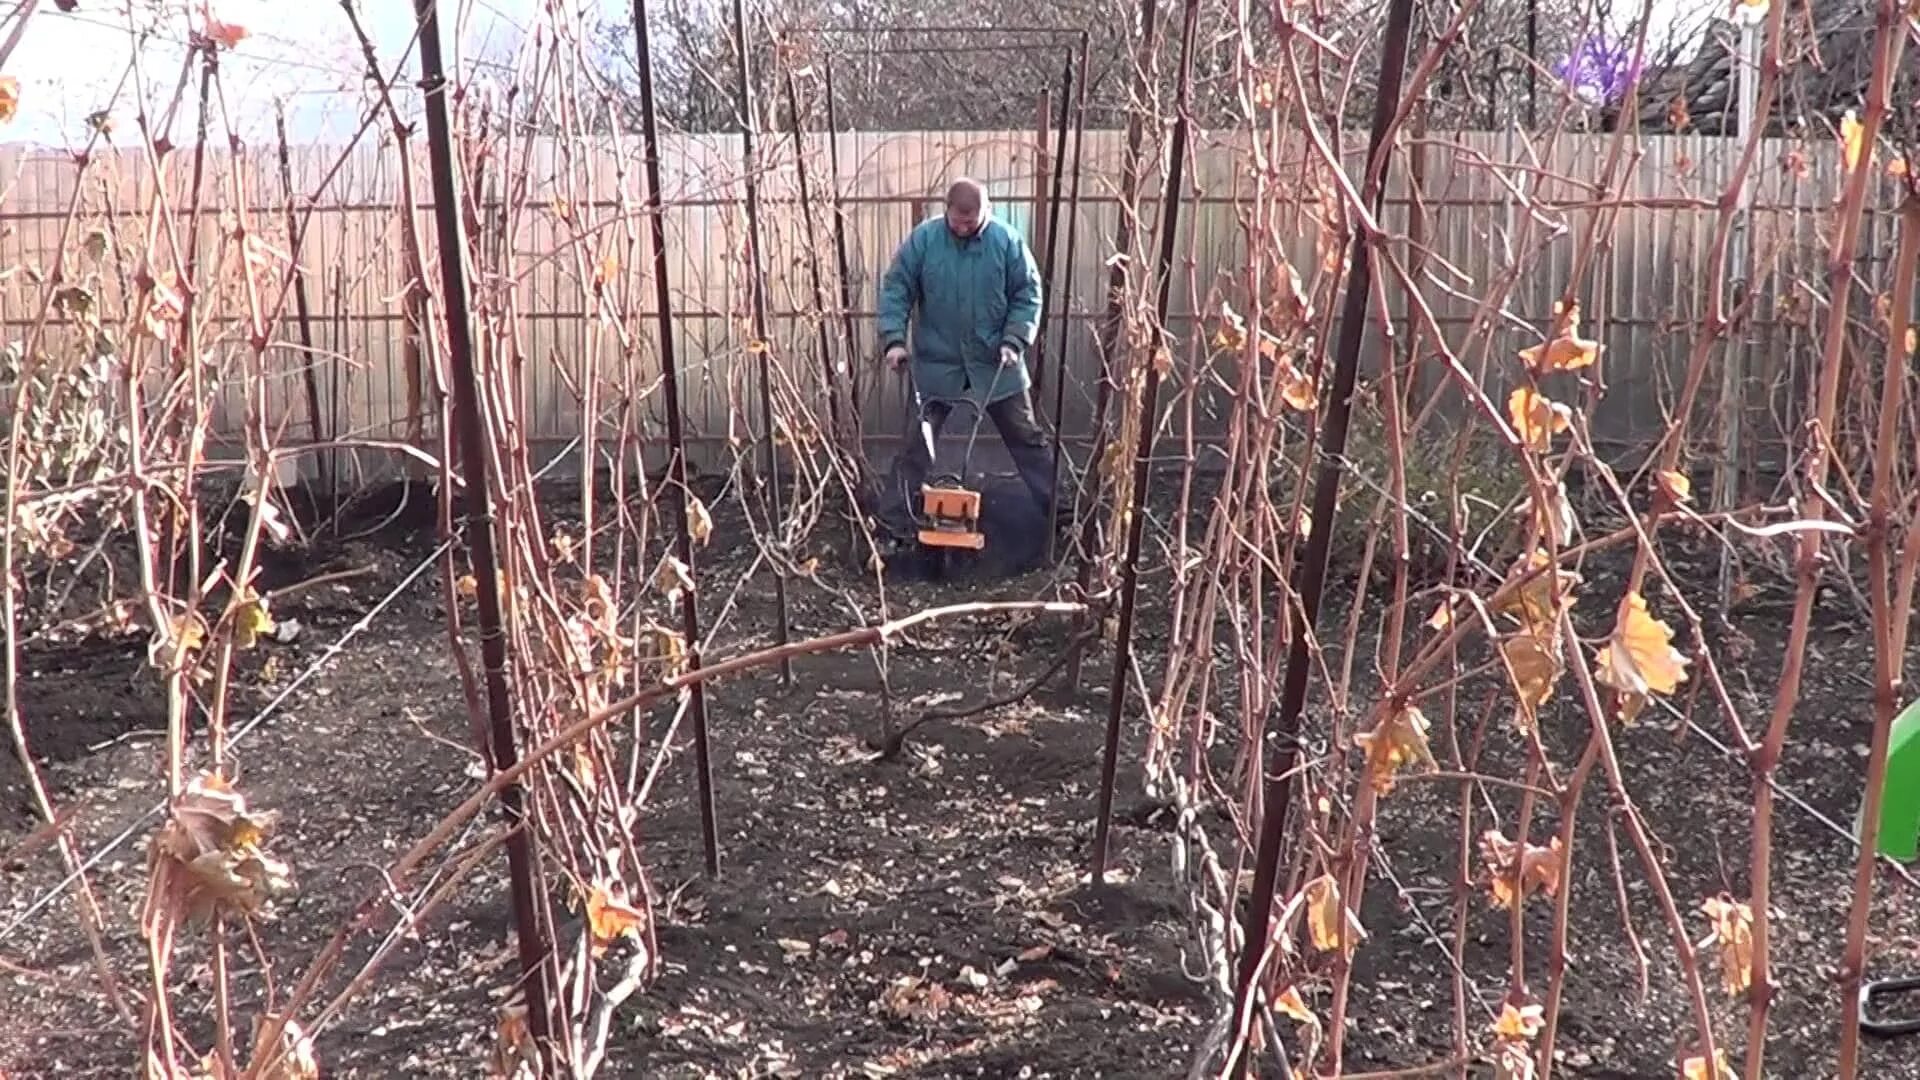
x=961, y=863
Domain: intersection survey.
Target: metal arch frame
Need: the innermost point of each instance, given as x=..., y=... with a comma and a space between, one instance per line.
x=1075, y=65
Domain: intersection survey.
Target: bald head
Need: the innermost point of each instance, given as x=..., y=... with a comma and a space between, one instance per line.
x=966, y=206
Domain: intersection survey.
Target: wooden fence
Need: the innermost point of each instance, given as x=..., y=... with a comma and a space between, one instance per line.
x=1491, y=206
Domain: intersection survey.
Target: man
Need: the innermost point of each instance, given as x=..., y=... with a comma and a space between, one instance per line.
x=970, y=286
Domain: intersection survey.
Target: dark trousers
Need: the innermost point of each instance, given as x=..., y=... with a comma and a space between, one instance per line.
x=1019, y=430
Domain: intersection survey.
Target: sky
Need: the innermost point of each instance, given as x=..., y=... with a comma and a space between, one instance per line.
x=300, y=53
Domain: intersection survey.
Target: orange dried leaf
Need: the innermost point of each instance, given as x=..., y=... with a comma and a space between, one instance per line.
x=699, y=521
x=610, y=918
x=1533, y=665
x=672, y=577
x=1537, y=418
x=1678, y=118
x=1537, y=602
x=9, y=98
x=225, y=34
x=606, y=270
x=1232, y=334
x=1852, y=140
x=1516, y=871
x=1733, y=933
x=1326, y=913
x=1675, y=484
x=1399, y=739
x=1522, y=1023
x=1898, y=168
x=1696, y=1068
x=1297, y=388
x=251, y=621
x=1568, y=353
x=1640, y=658
x=664, y=648
x=1290, y=1003
x=1442, y=617
x=208, y=857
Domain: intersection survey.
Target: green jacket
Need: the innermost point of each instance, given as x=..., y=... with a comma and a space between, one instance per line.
x=971, y=297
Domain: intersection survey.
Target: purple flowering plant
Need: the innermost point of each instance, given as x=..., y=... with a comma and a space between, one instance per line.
x=1599, y=70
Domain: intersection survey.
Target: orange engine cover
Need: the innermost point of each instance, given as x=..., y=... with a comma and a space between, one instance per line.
x=955, y=517
x=950, y=504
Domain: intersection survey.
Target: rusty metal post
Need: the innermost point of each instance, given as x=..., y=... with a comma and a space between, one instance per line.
x=1312, y=570
x=1051, y=233
x=676, y=437
x=1143, y=448
x=1113, y=322
x=757, y=306
x=1065, y=320
x=303, y=311
x=521, y=861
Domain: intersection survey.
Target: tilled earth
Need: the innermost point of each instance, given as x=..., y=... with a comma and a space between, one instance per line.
x=924, y=916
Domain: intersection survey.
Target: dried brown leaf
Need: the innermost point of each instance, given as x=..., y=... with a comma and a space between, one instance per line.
x=1398, y=739
x=1537, y=418
x=610, y=917
x=672, y=577
x=1533, y=665
x=1516, y=871
x=1733, y=933
x=1639, y=660
x=1325, y=914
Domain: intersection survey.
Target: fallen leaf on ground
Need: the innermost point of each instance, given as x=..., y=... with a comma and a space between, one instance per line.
x=913, y=998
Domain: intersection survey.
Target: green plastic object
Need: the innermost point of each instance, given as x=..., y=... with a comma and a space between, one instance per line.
x=1900, y=800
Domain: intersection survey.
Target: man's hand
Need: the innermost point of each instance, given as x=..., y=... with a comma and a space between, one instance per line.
x=1009, y=356
x=896, y=356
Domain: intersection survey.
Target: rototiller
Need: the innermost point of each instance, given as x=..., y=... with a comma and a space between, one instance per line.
x=949, y=506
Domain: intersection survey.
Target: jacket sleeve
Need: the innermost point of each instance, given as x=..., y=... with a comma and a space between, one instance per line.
x=899, y=292
x=1023, y=295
